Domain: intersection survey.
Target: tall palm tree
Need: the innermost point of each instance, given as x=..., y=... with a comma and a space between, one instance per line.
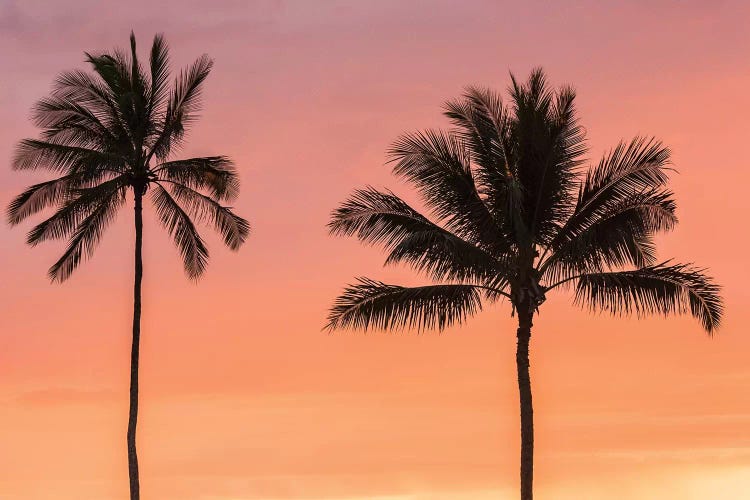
x=111, y=132
x=514, y=216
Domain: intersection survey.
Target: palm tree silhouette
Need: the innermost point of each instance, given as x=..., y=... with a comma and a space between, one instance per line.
x=112, y=132
x=514, y=216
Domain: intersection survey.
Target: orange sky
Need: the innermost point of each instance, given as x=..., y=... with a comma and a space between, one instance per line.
x=243, y=396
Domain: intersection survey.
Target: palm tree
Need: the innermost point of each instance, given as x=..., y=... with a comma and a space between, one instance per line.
x=513, y=216
x=111, y=132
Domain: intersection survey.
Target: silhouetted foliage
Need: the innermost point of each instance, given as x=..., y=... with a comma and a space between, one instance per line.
x=512, y=213
x=110, y=132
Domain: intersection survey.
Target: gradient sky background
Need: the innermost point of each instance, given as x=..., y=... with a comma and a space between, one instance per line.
x=243, y=396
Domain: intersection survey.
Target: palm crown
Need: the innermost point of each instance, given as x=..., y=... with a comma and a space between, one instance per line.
x=112, y=131
x=514, y=215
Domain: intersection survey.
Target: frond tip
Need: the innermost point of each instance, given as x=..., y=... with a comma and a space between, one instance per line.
x=373, y=304
x=36, y=198
x=377, y=217
x=233, y=228
x=660, y=289
x=186, y=238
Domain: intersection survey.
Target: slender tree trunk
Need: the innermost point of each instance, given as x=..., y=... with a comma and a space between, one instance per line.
x=527, y=411
x=135, y=493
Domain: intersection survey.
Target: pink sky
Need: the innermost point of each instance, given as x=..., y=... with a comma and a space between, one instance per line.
x=243, y=396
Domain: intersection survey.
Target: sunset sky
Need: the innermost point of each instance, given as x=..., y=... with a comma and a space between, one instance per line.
x=244, y=397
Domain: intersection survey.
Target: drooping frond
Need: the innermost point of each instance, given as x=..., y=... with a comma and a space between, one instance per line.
x=438, y=164
x=86, y=236
x=233, y=228
x=192, y=248
x=372, y=304
x=47, y=194
x=213, y=173
x=37, y=198
x=79, y=204
x=661, y=289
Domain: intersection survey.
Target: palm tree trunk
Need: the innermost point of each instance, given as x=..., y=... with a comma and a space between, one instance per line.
x=135, y=350
x=527, y=410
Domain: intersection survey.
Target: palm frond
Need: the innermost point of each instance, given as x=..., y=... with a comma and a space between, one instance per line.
x=71, y=123
x=233, y=228
x=140, y=81
x=216, y=174
x=629, y=172
x=570, y=134
x=182, y=107
x=383, y=218
x=159, y=67
x=33, y=154
x=378, y=218
x=113, y=71
x=187, y=92
x=660, y=289
x=82, y=89
x=620, y=236
x=633, y=167
x=116, y=71
x=192, y=248
x=373, y=304
x=443, y=256
x=79, y=204
x=87, y=235
x=548, y=145
x=38, y=197
x=438, y=164
x=482, y=122
x=535, y=93
x=629, y=169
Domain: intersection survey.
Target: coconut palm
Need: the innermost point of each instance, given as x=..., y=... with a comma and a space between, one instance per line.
x=513, y=215
x=111, y=132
